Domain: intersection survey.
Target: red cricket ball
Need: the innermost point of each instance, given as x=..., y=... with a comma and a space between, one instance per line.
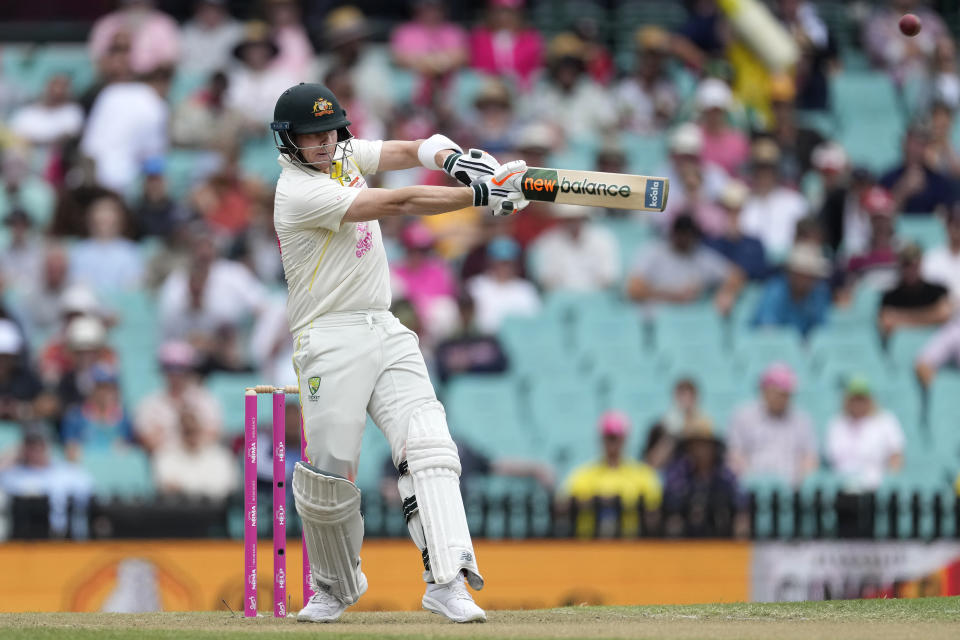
x=910, y=25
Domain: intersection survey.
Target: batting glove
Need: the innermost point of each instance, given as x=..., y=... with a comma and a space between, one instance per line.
x=501, y=191
x=470, y=167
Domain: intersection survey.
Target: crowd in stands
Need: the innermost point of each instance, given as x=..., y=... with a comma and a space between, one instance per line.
x=767, y=209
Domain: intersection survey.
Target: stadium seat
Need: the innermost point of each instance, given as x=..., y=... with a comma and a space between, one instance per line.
x=486, y=410
x=905, y=345
x=228, y=389
x=562, y=411
x=621, y=331
x=566, y=306
x=927, y=231
x=119, y=473
x=374, y=453
x=770, y=344
x=692, y=326
x=536, y=344
x=10, y=436
x=764, y=487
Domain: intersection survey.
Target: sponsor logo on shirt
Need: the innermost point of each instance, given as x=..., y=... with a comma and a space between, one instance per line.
x=364, y=239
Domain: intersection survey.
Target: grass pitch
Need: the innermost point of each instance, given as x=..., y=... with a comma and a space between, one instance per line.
x=926, y=618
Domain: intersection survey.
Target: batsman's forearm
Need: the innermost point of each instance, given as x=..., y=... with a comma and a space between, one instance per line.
x=428, y=201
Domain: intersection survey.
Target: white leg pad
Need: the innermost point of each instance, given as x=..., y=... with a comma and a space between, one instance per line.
x=434, y=465
x=329, y=507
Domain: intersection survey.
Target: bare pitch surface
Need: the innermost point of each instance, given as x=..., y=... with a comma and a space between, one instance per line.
x=927, y=618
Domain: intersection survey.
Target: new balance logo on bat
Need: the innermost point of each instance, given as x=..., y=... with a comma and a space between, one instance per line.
x=546, y=184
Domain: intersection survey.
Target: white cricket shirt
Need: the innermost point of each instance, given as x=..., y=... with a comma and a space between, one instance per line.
x=330, y=265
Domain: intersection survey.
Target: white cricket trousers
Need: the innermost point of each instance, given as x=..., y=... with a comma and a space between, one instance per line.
x=366, y=361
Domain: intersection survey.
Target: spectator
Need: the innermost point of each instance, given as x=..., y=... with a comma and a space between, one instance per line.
x=773, y=209
x=499, y=291
x=208, y=38
x=256, y=246
x=431, y=46
x=942, y=264
x=701, y=497
x=944, y=158
x=796, y=142
x=695, y=199
x=157, y=213
x=127, y=126
x=682, y=270
x=846, y=224
x=206, y=302
x=346, y=38
x=686, y=156
x=196, y=467
x=615, y=478
x=647, y=100
x=567, y=84
x=771, y=435
x=743, y=250
x=468, y=350
x=577, y=254
x=493, y=124
x=800, y=298
x=723, y=145
x=913, y=302
x=19, y=385
x=600, y=64
x=75, y=302
x=36, y=473
x=23, y=188
x=864, y=442
x=427, y=280
x=226, y=199
x=157, y=417
x=52, y=119
x=476, y=261
x=208, y=120
x=817, y=52
x=41, y=306
x=685, y=409
x=21, y=262
x=287, y=30
x=100, y=422
x=876, y=266
x=68, y=366
x=256, y=81
x=113, y=66
x=107, y=261
x=941, y=349
x=916, y=187
x=154, y=37
x=504, y=46
x=900, y=56
x=704, y=35
x=943, y=87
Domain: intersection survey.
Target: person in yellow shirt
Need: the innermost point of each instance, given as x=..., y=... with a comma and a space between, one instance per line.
x=613, y=477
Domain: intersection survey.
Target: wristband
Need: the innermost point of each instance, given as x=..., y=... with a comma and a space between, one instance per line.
x=429, y=148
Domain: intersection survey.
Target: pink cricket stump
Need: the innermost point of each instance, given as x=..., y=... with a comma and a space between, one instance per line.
x=250, y=504
x=279, y=506
x=307, y=574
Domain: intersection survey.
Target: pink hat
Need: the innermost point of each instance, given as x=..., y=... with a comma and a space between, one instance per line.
x=614, y=423
x=177, y=355
x=779, y=376
x=417, y=235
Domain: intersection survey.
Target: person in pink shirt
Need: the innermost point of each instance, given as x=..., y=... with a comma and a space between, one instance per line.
x=431, y=46
x=723, y=144
x=426, y=279
x=286, y=27
x=155, y=37
x=505, y=46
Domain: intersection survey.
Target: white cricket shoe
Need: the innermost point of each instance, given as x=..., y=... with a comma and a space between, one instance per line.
x=322, y=607
x=453, y=601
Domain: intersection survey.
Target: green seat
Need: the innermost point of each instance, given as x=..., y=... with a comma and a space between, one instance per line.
x=10, y=436
x=622, y=331
x=534, y=345
x=927, y=231
x=374, y=453
x=770, y=344
x=486, y=410
x=561, y=409
x=922, y=479
x=905, y=345
x=121, y=473
x=692, y=326
x=228, y=389
x=764, y=488
x=819, y=488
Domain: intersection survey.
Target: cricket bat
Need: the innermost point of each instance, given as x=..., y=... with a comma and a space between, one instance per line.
x=596, y=189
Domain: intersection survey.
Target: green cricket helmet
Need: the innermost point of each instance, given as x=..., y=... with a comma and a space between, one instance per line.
x=308, y=108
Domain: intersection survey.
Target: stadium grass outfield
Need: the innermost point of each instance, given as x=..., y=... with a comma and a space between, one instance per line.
x=927, y=618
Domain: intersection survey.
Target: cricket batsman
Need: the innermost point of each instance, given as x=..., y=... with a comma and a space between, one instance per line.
x=353, y=357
